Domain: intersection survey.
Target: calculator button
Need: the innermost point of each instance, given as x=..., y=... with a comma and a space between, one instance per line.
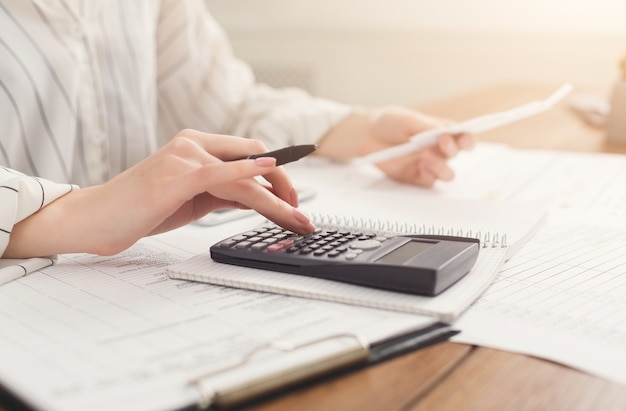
x=333, y=253
x=258, y=246
x=275, y=247
x=243, y=244
x=287, y=242
x=351, y=256
x=319, y=252
x=228, y=243
x=365, y=244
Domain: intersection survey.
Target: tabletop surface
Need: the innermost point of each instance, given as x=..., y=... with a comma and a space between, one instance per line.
x=451, y=376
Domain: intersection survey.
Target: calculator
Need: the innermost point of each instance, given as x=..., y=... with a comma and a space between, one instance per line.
x=415, y=264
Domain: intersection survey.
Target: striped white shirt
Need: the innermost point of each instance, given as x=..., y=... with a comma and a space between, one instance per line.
x=20, y=196
x=91, y=87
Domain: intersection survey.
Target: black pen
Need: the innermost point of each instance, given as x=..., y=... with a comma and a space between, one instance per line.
x=287, y=154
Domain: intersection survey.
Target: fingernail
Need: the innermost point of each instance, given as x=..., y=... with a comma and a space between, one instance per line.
x=265, y=161
x=301, y=217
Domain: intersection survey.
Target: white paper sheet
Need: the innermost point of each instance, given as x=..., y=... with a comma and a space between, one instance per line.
x=562, y=296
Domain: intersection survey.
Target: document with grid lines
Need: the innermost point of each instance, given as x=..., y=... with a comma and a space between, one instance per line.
x=562, y=296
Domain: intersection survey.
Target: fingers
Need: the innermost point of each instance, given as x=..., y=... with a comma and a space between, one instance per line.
x=218, y=173
x=391, y=126
x=286, y=216
x=465, y=141
x=448, y=146
x=213, y=160
x=233, y=181
x=255, y=196
x=424, y=168
x=224, y=147
x=228, y=148
x=282, y=186
x=430, y=167
x=451, y=145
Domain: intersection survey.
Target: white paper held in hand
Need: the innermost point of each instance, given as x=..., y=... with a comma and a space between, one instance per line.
x=473, y=126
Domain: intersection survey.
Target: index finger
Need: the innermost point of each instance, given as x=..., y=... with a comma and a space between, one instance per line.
x=254, y=196
x=223, y=146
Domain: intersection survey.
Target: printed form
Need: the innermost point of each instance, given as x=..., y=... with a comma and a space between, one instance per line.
x=563, y=295
x=110, y=333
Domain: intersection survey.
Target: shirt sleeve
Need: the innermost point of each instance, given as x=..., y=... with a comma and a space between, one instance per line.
x=21, y=196
x=202, y=85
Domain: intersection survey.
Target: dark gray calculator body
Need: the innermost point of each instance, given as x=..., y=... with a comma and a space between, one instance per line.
x=416, y=264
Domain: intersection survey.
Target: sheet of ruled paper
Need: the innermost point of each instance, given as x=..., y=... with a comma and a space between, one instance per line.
x=562, y=297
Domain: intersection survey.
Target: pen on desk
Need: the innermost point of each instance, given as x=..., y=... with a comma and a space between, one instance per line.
x=287, y=154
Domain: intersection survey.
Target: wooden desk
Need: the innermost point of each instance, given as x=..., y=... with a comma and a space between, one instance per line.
x=453, y=376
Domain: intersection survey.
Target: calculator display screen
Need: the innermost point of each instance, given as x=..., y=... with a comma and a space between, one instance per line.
x=405, y=252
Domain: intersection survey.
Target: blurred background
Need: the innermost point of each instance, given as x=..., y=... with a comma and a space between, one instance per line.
x=374, y=52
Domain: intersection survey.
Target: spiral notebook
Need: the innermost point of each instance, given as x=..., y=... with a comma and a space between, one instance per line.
x=496, y=246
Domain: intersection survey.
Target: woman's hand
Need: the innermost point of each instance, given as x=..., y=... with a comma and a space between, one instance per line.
x=192, y=175
x=373, y=130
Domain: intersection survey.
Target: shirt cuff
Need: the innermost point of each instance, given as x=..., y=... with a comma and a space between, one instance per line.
x=11, y=269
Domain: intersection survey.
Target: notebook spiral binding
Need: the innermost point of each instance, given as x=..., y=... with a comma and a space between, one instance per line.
x=390, y=227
